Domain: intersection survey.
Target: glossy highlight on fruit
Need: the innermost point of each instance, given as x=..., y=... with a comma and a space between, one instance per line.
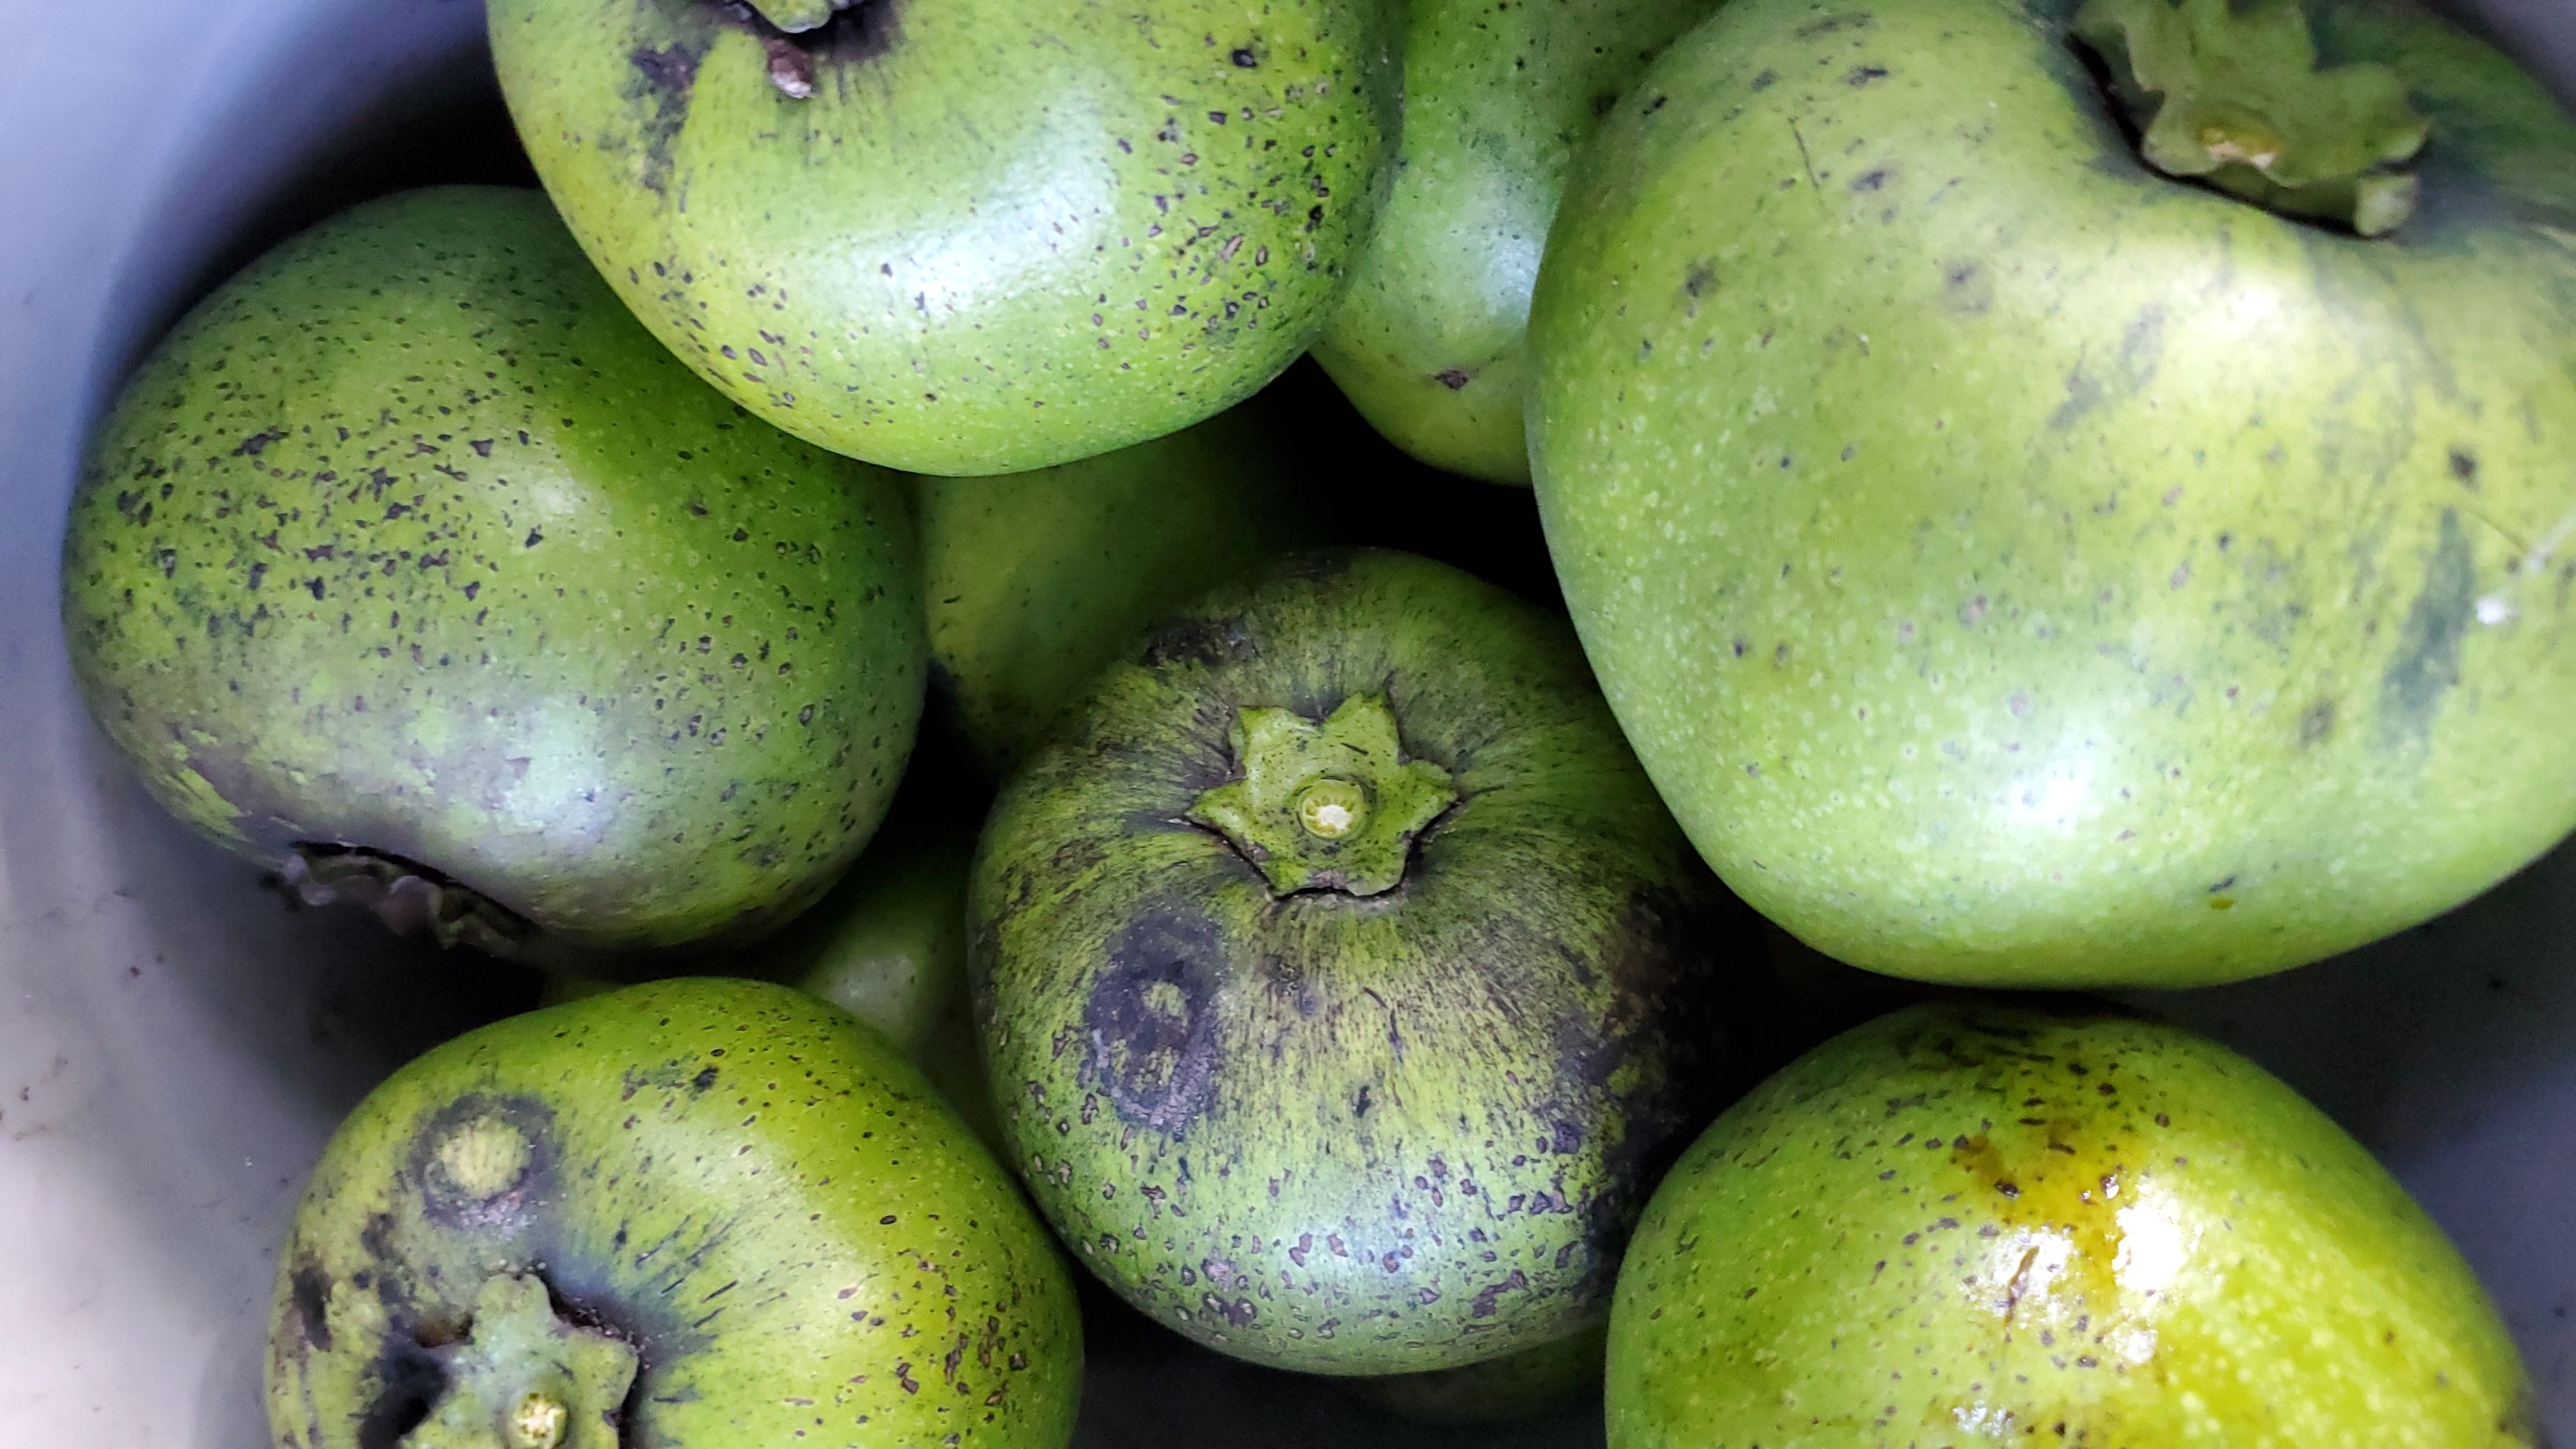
x=1980, y=1222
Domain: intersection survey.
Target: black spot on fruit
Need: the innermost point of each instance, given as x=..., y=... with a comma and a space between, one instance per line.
x=1453, y=378
x=2317, y=722
x=1966, y=288
x=2428, y=655
x=1152, y=1025
x=310, y=1287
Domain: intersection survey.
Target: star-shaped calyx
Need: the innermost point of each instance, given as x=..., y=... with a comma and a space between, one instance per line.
x=525, y=1379
x=2231, y=94
x=1325, y=806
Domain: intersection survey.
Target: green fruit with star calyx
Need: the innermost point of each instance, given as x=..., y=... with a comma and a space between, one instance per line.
x=965, y=237
x=1342, y=982
x=1984, y=1223
x=1429, y=340
x=409, y=566
x=2076, y=495
x=698, y=1211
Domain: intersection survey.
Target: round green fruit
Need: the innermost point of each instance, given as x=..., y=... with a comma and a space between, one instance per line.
x=1033, y=581
x=1498, y=97
x=968, y=237
x=2018, y=565
x=691, y=1212
x=410, y=566
x=1968, y=1223
x=1342, y=981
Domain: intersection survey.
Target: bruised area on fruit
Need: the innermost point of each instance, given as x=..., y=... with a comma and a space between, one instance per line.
x=1991, y=1221
x=1326, y=1127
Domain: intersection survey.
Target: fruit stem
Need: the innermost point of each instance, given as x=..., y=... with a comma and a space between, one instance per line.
x=2233, y=97
x=525, y=1379
x=1335, y=805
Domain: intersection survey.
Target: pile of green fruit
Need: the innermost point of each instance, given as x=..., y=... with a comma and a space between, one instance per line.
x=1005, y=777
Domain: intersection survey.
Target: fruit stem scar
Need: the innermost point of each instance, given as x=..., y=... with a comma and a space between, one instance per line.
x=2233, y=97
x=523, y=1378
x=1332, y=808
x=1335, y=805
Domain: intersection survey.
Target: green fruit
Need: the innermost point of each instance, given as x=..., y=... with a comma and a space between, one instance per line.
x=2015, y=565
x=410, y=566
x=970, y=237
x=1541, y=1380
x=1342, y=981
x=1033, y=581
x=1971, y=1223
x=725, y=1192
x=1497, y=99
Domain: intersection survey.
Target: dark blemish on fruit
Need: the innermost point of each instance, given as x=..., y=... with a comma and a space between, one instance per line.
x=1243, y=58
x=1966, y=289
x=1765, y=81
x=2317, y=722
x=1151, y=1022
x=1206, y=642
x=2083, y=394
x=666, y=78
x=256, y=443
x=409, y=1380
x=1870, y=180
x=1603, y=103
x=1453, y=378
x=2464, y=466
x=482, y=1160
x=1862, y=75
x=310, y=1289
x=1701, y=279
x=1830, y=24
x=1655, y=105
x=2428, y=657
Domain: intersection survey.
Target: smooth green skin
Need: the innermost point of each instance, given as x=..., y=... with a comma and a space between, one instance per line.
x=1429, y=341
x=754, y=1190
x=1523, y=1385
x=1970, y=1223
x=1330, y=1133
x=552, y=618
x=994, y=238
x=1035, y=581
x=2017, y=567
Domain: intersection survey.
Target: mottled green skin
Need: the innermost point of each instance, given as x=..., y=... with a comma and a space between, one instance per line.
x=1541, y=1380
x=409, y=538
x=759, y=1194
x=2018, y=567
x=995, y=237
x=1971, y=1224
x=1341, y=1134
x=1034, y=581
x=1428, y=341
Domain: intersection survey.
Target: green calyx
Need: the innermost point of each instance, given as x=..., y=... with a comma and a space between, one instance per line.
x=525, y=1379
x=1333, y=805
x=2233, y=97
